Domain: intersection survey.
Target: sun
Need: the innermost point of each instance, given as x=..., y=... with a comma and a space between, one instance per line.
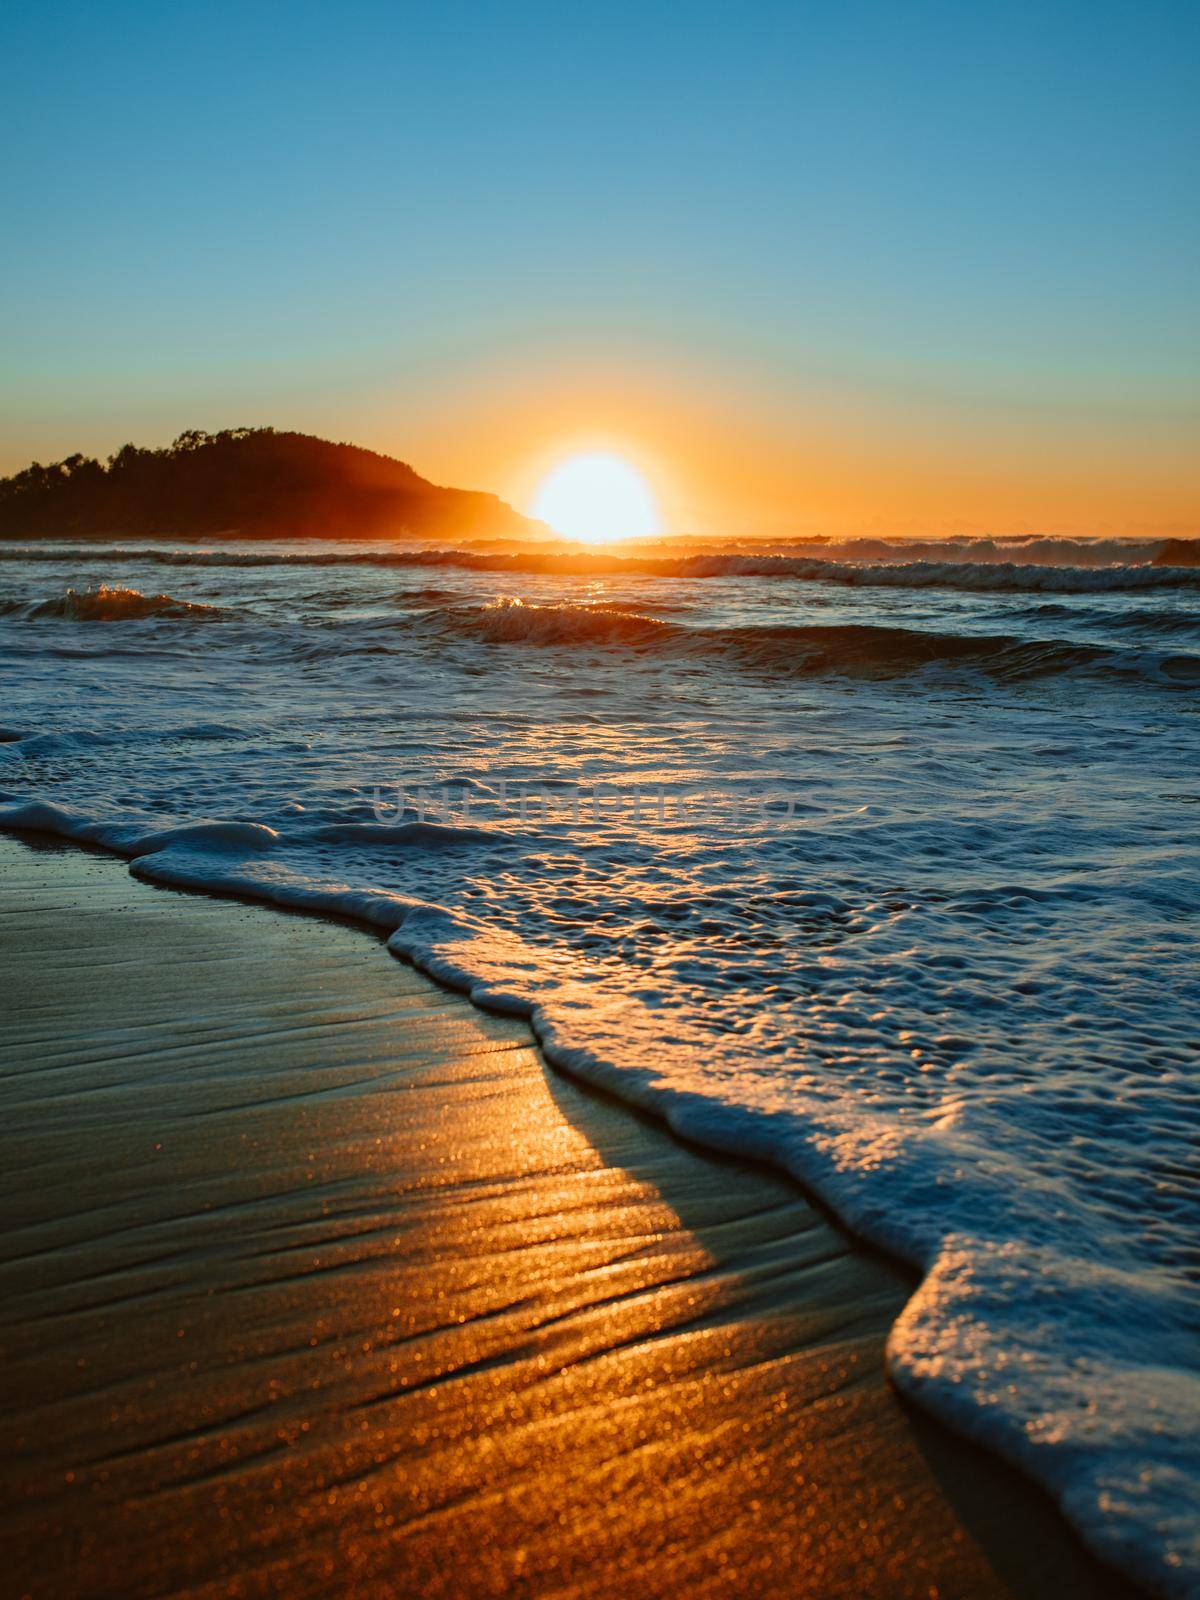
x=597, y=497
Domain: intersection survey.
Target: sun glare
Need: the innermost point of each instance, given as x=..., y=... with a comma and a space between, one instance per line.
x=597, y=497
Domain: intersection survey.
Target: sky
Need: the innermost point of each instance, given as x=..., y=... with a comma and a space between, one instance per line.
x=818, y=267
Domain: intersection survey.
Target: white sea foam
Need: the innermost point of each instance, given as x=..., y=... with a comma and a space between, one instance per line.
x=951, y=992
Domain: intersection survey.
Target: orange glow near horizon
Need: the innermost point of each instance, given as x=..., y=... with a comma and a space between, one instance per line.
x=729, y=456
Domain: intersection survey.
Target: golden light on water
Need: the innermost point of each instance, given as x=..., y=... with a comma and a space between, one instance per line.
x=597, y=497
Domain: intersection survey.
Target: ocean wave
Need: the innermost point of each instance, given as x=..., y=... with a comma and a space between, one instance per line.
x=1034, y=549
x=514, y=621
x=894, y=566
x=848, y=649
x=1146, y=620
x=1129, y=619
x=107, y=603
x=864, y=650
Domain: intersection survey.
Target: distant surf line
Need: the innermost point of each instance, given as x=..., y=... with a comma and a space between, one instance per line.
x=894, y=567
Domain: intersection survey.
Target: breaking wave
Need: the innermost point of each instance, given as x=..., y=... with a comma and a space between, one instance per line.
x=107, y=604
x=850, y=649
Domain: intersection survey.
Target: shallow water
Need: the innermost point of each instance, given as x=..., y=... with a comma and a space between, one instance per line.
x=883, y=870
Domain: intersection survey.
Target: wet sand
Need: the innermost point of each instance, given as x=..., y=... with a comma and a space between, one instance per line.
x=315, y=1281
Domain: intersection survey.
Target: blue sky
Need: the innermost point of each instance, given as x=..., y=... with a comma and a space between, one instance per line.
x=350, y=219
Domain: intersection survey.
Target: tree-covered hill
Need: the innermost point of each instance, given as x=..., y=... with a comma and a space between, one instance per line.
x=249, y=481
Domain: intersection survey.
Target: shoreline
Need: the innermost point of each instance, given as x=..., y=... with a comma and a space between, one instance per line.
x=761, y=1288
x=221, y=860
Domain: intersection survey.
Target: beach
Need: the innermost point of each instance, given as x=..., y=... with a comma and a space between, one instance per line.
x=318, y=1281
x=599, y=776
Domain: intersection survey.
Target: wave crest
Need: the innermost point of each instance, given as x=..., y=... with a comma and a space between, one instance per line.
x=847, y=649
x=512, y=621
x=107, y=603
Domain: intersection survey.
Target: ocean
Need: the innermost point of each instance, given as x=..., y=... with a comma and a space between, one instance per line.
x=879, y=863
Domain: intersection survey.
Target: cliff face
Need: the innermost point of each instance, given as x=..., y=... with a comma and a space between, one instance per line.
x=255, y=482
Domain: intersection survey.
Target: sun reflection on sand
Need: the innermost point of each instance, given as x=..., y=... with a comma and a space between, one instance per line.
x=398, y=1311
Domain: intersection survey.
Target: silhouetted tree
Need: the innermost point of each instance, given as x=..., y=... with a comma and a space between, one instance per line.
x=252, y=481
